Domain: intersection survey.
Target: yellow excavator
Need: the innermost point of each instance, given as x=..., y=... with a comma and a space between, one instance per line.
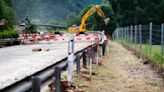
x=82, y=27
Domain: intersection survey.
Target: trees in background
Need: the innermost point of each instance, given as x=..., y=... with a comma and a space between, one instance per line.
x=72, y=19
x=8, y=19
x=94, y=22
x=7, y=13
x=130, y=12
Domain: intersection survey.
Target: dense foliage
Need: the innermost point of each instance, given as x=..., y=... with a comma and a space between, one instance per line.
x=7, y=13
x=8, y=34
x=120, y=12
x=30, y=29
x=95, y=22
x=130, y=12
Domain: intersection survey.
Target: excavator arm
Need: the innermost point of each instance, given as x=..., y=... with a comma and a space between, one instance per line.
x=82, y=27
x=94, y=9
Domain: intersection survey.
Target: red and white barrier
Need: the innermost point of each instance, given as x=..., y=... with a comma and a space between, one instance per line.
x=59, y=38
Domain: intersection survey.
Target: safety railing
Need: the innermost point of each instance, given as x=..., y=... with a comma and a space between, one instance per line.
x=34, y=82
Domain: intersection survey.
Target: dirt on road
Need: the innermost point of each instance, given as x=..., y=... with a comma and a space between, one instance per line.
x=122, y=71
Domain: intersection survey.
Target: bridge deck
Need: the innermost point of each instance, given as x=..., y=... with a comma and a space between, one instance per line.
x=18, y=62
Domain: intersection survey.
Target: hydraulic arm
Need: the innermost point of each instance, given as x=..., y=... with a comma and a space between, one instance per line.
x=82, y=27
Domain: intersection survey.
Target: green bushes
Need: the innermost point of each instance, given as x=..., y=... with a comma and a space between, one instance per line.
x=8, y=34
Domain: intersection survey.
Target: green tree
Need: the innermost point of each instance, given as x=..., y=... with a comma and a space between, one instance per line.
x=30, y=29
x=105, y=2
x=138, y=11
x=96, y=22
x=7, y=13
x=161, y=12
x=72, y=19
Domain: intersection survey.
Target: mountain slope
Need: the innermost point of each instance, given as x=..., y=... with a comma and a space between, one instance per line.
x=48, y=10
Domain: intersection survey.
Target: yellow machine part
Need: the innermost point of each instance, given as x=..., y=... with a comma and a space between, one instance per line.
x=82, y=27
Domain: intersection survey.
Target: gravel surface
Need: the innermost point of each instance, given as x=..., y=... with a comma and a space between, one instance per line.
x=130, y=74
x=18, y=62
x=122, y=71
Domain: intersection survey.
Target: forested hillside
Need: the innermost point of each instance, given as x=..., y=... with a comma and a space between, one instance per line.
x=124, y=12
x=7, y=13
x=48, y=10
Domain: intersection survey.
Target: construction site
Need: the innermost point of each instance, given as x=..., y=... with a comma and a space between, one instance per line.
x=80, y=46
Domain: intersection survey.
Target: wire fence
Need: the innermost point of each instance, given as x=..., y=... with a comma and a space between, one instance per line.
x=148, y=39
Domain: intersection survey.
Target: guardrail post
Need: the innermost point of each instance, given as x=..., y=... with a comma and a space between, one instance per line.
x=101, y=51
x=162, y=38
x=57, y=79
x=103, y=43
x=78, y=64
x=90, y=61
x=88, y=56
x=36, y=83
x=103, y=48
x=107, y=47
x=84, y=58
x=150, y=37
x=93, y=52
x=71, y=58
x=97, y=54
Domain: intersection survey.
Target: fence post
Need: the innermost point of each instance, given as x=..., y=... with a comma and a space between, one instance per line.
x=113, y=36
x=71, y=58
x=128, y=35
x=124, y=40
x=122, y=30
x=150, y=38
x=131, y=36
x=162, y=38
x=125, y=35
x=135, y=36
x=78, y=64
x=36, y=83
x=57, y=79
x=117, y=33
x=140, y=33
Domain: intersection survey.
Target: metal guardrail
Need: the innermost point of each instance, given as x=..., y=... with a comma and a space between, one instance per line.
x=9, y=42
x=33, y=83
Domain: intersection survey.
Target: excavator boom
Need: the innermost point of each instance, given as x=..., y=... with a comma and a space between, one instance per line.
x=82, y=27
